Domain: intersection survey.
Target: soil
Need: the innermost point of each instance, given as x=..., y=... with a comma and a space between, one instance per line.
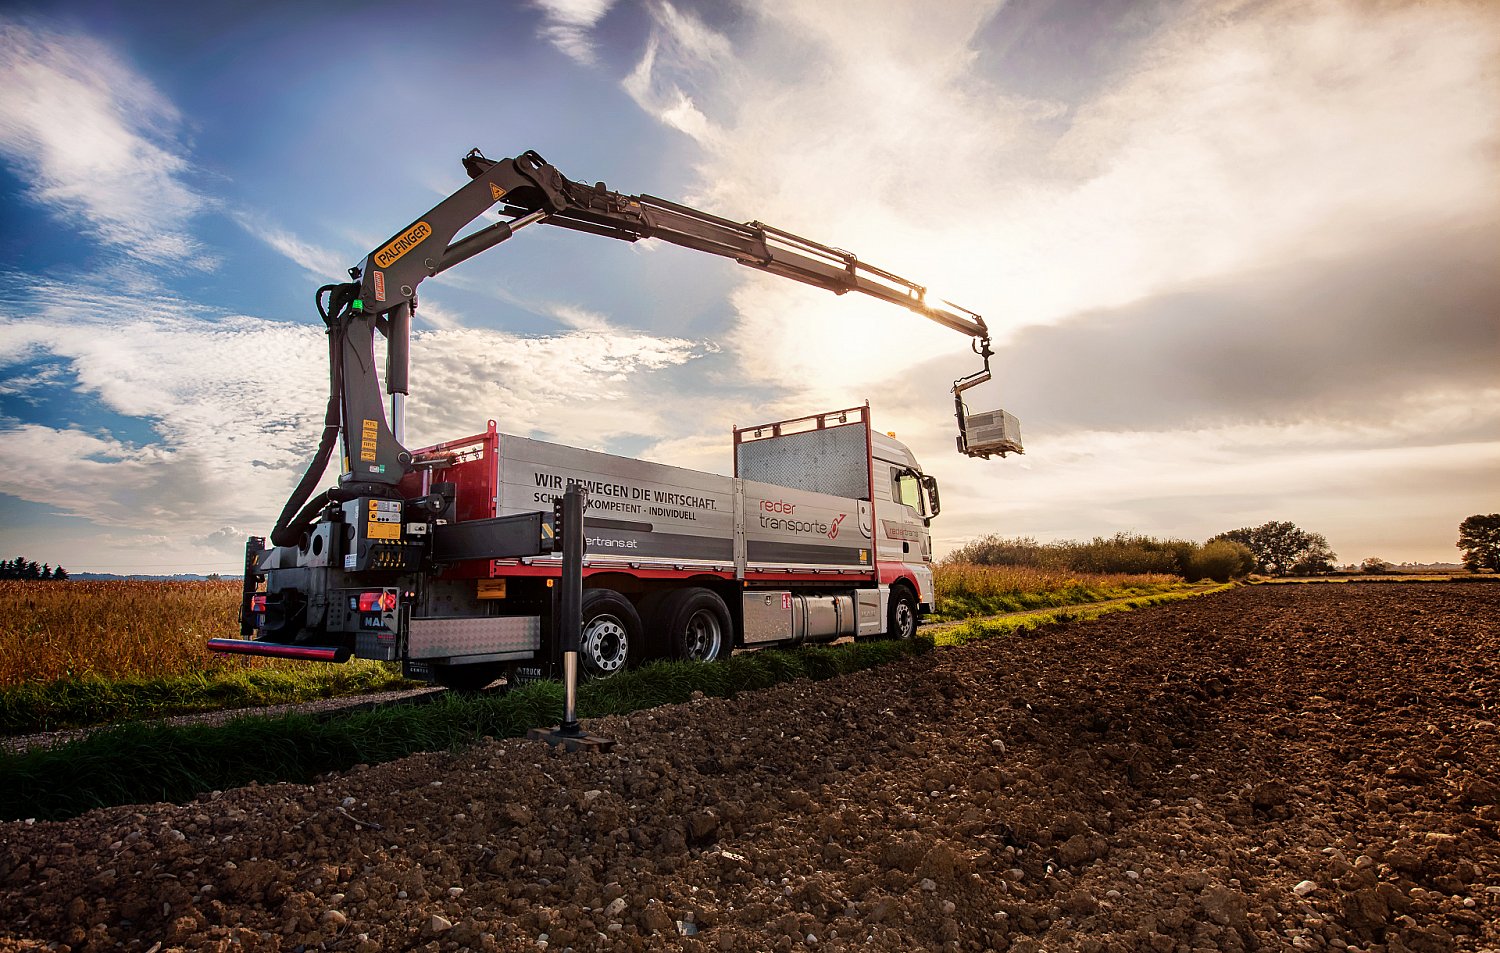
x=1271, y=768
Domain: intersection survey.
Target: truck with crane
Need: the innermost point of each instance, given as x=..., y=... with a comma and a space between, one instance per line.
x=445, y=558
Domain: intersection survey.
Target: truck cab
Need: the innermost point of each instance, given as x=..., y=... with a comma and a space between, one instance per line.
x=906, y=500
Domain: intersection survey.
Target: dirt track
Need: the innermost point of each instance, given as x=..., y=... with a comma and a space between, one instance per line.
x=1158, y=780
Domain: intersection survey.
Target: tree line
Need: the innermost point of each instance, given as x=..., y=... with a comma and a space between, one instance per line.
x=23, y=568
x=1274, y=548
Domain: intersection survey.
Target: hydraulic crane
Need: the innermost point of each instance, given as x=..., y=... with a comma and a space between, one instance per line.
x=528, y=189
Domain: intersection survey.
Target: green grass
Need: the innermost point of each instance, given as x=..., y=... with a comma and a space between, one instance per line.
x=966, y=605
x=154, y=761
x=92, y=700
x=955, y=635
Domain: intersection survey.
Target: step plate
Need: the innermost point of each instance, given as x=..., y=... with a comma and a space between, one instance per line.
x=487, y=635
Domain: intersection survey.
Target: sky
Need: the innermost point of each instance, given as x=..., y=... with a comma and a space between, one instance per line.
x=1241, y=259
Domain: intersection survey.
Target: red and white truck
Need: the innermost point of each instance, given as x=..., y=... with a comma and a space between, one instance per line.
x=445, y=558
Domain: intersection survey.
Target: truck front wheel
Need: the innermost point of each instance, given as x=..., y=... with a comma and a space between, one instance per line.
x=611, y=628
x=901, y=617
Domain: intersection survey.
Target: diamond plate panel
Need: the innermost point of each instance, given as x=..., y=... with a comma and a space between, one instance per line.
x=829, y=461
x=448, y=638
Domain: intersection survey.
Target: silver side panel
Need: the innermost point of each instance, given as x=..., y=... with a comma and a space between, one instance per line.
x=488, y=635
x=783, y=616
x=377, y=646
x=833, y=461
x=869, y=609
x=641, y=512
x=769, y=616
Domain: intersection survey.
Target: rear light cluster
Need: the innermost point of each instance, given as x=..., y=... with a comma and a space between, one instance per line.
x=377, y=601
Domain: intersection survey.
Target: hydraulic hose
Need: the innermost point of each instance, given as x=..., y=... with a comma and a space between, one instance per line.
x=291, y=525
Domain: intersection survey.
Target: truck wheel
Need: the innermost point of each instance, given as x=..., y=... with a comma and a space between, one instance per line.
x=696, y=623
x=467, y=678
x=611, y=627
x=901, y=615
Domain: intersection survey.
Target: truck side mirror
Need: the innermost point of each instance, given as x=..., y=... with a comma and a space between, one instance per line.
x=934, y=504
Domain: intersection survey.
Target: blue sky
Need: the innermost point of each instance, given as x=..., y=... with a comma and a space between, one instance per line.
x=1239, y=257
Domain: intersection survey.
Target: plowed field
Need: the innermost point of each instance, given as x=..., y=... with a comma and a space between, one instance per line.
x=1310, y=767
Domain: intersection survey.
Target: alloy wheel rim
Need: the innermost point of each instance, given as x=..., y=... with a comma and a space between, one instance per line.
x=905, y=620
x=606, y=643
x=703, y=636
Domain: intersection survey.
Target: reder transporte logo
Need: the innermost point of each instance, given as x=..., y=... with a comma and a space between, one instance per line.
x=784, y=521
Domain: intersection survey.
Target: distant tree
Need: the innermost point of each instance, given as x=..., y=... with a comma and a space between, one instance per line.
x=1317, y=560
x=1479, y=538
x=1375, y=566
x=23, y=568
x=1281, y=547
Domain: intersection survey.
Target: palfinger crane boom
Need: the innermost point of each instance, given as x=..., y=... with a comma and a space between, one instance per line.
x=528, y=188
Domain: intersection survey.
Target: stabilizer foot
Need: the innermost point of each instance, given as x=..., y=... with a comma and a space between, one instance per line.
x=571, y=740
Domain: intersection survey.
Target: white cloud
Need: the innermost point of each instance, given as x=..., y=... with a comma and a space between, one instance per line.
x=235, y=403
x=1241, y=137
x=94, y=142
x=323, y=264
x=580, y=319
x=1329, y=478
x=585, y=387
x=1236, y=141
x=567, y=24
x=680, y=45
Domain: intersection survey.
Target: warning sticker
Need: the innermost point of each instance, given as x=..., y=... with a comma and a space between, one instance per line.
x=496, y=192
x=369, y=436
x=376, y=530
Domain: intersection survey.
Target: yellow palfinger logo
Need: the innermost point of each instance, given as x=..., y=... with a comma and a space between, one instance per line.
x=402, y=244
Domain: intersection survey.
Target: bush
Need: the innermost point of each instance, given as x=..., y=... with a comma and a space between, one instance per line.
x=1221, y=560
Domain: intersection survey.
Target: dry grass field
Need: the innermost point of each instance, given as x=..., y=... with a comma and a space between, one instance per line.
x=129, y=630
x=114, y=630
x=965, y=589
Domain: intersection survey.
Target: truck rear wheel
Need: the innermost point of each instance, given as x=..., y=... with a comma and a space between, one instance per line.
x=901, y=615
x=611, y=629
x=696, y=624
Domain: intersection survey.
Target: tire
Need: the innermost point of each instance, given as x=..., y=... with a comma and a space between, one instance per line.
x=901, y=613
x=467, y=679
x=695, y=623
x=611, y=631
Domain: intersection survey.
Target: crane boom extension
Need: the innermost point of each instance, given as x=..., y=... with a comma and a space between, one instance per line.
x=527, y=187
